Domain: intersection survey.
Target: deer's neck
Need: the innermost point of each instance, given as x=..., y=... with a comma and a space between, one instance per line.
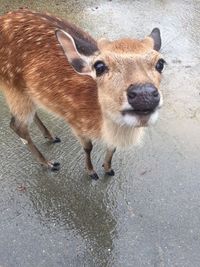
x=120, y=136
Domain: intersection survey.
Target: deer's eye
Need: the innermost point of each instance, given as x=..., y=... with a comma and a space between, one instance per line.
x=160, y=65
x=100, y=67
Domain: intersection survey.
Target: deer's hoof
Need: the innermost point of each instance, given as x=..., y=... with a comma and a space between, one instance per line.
x=56, y=140
x=110, y=173
x=54, y=166
x=94, y=176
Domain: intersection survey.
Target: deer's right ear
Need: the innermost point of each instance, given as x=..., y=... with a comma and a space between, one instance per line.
x=155, y=35
x=79, y=62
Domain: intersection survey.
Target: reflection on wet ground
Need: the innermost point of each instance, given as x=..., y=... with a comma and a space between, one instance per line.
x=149, y=213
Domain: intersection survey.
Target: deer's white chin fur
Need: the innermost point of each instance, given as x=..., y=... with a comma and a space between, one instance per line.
x=140, y=121
x=126, y=130
x=135, y=120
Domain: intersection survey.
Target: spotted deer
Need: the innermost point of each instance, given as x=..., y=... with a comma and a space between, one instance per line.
x=107, y=90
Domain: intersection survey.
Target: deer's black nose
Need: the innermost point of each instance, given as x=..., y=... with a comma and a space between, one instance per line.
x=144, y=98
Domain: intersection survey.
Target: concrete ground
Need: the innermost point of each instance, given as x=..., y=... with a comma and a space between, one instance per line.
x=149, y=213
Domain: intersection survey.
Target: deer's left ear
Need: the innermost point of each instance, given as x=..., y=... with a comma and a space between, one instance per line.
x=155, y=36
x=79, y=62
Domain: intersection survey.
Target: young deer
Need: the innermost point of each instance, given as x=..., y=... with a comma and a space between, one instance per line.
x=105, y=90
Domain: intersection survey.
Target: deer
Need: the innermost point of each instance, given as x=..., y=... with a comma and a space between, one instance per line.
x=104, y=89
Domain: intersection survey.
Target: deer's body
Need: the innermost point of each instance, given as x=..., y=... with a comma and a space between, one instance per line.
x=34, y=73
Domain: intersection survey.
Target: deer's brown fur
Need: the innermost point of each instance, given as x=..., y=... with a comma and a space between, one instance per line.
x=34, y=72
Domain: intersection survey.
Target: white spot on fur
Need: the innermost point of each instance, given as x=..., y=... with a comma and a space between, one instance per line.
x=8, y=65
x=24, y=55
x=25, y=142
x=18, y=69
x=7, y=24
x=19, y=41
x=39, y=39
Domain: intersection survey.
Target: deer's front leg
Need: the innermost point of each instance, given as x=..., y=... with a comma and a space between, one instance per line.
x=87, y=146
x=108, y=161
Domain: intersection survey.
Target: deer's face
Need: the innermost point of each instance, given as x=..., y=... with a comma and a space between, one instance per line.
x=128, y=75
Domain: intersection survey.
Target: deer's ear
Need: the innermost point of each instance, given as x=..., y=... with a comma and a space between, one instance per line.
x=78, y=61
x=155, y=36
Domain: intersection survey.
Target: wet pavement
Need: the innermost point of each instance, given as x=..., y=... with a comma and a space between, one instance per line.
x=149, y=213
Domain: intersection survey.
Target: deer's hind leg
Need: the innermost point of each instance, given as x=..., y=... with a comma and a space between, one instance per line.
x=23, y=111
x=46, y=133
